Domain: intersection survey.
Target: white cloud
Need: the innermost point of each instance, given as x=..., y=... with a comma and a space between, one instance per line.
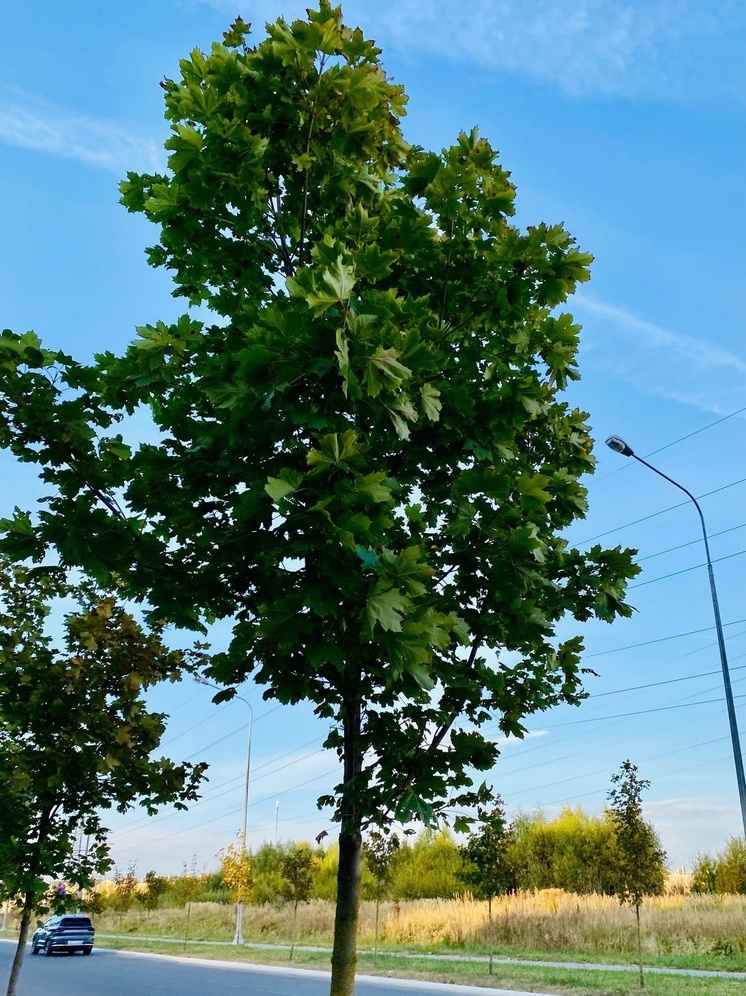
x=30, y=122
x=648, y=49
x=659, y=362
x=503, y=741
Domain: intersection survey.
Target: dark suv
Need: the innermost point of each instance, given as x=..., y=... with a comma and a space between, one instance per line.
x=70, y=932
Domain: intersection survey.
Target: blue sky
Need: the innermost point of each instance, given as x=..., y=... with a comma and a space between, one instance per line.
x=624, y=121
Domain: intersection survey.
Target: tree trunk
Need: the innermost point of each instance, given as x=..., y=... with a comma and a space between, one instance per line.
x=344, y=952
x=295, y=930
x=639, y=945
x=491, y=933
x=378, y=910
x=15, y=970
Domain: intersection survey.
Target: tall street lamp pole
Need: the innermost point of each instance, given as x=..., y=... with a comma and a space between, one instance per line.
x=238, y=936
x=619, y=446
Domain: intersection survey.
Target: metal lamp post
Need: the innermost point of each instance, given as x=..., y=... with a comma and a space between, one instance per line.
x=619, y=446
x=238, y=936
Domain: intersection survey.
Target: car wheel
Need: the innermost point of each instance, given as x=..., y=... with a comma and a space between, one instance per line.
x=35, y=948
x=86, y=951
x=48, y=949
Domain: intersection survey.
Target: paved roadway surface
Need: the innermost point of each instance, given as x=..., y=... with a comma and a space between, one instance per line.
x=120, y=973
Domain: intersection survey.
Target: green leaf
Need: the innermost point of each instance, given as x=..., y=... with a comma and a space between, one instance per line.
x=387, y=609
x=372, y=486
x=421, y=675
x=431, y=402
x=368, y=557
x=277, y=488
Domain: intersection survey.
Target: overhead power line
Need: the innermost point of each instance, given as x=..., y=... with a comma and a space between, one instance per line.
x=694, y=542
x=662, y=511
x=685, y=570
x=644, y=712
x=675, y=442
x=661, y=639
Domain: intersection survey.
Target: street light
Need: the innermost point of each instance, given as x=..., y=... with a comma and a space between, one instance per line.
x=238, y=936
x=619, y=446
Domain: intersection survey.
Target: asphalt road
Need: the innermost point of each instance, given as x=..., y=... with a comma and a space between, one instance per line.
x=125, y=973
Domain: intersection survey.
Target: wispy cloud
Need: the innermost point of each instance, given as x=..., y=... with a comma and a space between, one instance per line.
x=503, y=741
x=640, y=49
x=658, y=361
x=31, y=122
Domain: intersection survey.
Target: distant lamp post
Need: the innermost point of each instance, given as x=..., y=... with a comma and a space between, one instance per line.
x=238, y=936
x=619, y=446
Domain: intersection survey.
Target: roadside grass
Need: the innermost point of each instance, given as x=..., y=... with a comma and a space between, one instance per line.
x=680, y=931
x=537, y=979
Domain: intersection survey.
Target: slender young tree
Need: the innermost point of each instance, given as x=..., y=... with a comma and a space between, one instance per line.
x=640, y=859
x=297, y=881
x=379, y=850
x=486, y=868
x=76, y=738
x=365, y=462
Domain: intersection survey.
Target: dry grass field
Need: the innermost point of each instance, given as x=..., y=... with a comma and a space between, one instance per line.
x=550, y=922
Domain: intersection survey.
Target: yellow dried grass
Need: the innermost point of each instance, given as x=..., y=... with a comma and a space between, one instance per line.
x=546, y=921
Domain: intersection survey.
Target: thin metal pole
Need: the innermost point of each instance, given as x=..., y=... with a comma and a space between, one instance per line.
x=238, y=936
x=277, y=818
x=737, y=755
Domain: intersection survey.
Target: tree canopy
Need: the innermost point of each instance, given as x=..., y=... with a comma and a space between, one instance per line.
x=365, y=462
x=76, y=737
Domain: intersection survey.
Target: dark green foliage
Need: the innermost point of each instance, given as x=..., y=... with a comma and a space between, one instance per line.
x=366, y=463
x=639, y=868
x=155, y=887
x=379, y=850
x=76, y=737
x=297, y=868
x=487, y=871
x=297, y=880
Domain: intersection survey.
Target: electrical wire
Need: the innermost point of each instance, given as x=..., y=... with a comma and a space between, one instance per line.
x=681, y=546
x=675, y=442
x=662, y=511
x=685, y=570
x=662, y=639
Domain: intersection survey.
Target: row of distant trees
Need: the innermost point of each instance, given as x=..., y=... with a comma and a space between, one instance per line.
x=573, y=851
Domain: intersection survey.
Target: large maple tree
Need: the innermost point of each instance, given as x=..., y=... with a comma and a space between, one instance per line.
x=366, y=461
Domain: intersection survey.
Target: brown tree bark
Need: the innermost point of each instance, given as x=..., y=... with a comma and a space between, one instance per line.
x=639, y=944
x=15, y=969
x=344, y=951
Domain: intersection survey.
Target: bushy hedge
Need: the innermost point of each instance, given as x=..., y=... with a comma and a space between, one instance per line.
x=723, y=873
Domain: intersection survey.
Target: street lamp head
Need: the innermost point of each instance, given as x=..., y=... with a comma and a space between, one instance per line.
x=618, y=445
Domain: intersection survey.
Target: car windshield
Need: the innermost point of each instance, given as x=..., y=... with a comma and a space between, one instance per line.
x=76, y=921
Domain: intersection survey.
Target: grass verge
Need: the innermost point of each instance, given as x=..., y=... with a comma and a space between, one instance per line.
x=537, y=979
